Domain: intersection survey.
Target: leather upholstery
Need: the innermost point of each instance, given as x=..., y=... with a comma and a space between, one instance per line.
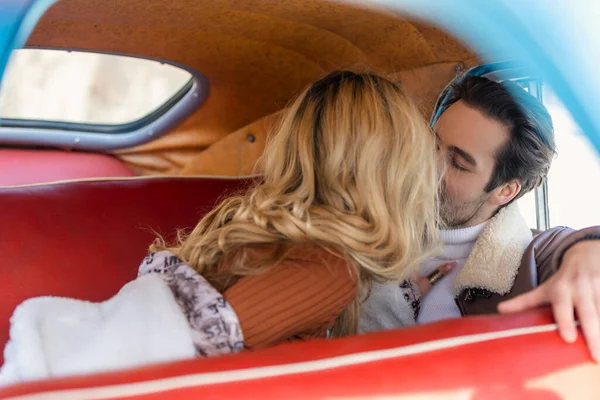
x=530, y=366
x=242, y=149
x=23, y=167
x=86, y=239
x=256, y=55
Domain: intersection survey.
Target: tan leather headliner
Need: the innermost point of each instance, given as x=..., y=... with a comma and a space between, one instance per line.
x=256, y=54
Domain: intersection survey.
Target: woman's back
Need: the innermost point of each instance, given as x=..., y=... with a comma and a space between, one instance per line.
x=347, y=196
x=299, y=298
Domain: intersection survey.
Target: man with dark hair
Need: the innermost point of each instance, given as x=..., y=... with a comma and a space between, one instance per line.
x=497, y=143
x=514, y=135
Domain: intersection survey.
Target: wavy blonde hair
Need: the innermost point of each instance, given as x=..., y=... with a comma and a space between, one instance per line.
x=351, y=168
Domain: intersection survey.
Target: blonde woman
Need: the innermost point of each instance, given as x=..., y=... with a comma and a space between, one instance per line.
x=347, y=197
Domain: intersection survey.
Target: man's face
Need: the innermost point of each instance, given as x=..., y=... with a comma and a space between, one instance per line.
x=468, y=143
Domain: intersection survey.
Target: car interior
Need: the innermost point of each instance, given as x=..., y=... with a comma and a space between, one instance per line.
x=81, y=201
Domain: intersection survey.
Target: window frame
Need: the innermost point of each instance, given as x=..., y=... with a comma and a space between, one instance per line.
x=542, y=209
x=104, y=137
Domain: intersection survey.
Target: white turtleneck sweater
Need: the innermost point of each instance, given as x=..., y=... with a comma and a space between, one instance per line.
x=386, y=307
x=439, y=303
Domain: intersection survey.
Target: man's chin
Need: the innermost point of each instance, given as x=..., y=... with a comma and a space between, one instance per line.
x=454, y=222
x=463, y=216
x=447, y=223
x=452, y=225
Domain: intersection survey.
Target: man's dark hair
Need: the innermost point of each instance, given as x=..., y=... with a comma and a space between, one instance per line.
x=530, y=149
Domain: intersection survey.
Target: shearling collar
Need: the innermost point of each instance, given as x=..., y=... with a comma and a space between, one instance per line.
x=496, y=256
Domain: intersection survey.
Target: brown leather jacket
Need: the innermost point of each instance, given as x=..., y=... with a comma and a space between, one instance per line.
x=540, y=261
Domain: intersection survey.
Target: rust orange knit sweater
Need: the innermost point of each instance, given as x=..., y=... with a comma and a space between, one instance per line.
x=298, y=299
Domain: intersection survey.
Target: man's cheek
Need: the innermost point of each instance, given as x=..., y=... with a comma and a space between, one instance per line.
x=453, y=187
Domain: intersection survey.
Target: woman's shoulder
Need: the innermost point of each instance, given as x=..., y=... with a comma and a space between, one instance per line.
x=325, y=262
x=307, y=262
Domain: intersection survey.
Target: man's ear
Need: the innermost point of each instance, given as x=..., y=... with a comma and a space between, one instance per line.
x=505, y=193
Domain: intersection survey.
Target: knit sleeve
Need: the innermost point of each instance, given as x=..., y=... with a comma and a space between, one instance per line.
x=304, y=292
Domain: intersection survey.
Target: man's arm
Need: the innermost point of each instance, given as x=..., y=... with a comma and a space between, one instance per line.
x=568, y=271
x=539, y=255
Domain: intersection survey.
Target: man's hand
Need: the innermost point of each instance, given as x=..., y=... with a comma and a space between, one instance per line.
x=575, y=287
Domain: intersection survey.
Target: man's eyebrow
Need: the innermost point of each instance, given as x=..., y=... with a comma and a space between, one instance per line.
x=466, y=156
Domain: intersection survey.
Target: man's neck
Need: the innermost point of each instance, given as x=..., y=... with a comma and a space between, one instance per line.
x=462, y=235
x=475, y=221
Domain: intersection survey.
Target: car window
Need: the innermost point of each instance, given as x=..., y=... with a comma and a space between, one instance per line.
x=573, y=181
x=572, y=184
x=86, y=88
x=527, y=205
